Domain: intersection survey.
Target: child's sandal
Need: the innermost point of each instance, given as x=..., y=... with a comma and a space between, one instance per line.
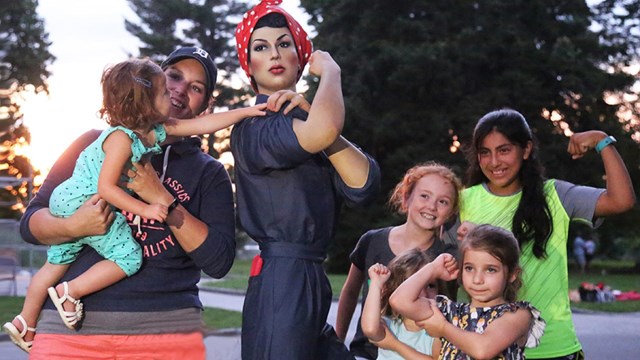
x=18, y=336
x=70, y=318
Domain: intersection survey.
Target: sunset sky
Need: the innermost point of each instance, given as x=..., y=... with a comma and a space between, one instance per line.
x=86, y=35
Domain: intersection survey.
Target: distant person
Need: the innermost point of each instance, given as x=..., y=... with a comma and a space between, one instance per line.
x=156, y=312
x=379, y=319
x=427, y=197
x=493, y=325
x=579, y=253
x=507, y=188
x=293, y=173
x=589, y=251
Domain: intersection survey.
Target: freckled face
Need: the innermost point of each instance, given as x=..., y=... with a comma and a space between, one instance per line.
x=273, y=61
x=501, y=161
x=431, y=202
x=186, y=81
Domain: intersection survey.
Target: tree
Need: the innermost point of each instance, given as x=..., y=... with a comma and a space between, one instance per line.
x=210, y=24
x=24, y=57
x=418, y=74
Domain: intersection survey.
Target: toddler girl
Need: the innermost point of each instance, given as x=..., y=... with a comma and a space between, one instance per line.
x=378, y=317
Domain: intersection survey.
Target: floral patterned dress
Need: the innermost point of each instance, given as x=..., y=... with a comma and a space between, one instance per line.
x=476, y=319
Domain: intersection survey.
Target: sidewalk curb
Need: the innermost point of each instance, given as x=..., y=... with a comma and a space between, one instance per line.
x=206, y=332
x=222, y=290
x=223, y=332
x=213, y=289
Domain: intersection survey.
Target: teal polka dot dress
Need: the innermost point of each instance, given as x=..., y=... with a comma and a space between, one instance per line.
x=117, y=244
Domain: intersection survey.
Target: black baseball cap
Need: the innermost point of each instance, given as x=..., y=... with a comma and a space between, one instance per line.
x=207, y=63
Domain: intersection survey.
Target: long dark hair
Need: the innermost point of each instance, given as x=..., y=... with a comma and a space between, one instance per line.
x=532, y=219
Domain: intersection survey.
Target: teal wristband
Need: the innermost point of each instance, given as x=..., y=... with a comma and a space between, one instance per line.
x=604, y=143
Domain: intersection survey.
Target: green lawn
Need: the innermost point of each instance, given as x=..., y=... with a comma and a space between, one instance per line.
x=9, y=307
x=617, y=274
x=214, y=319
x=617, y=278
x=239, y=275
x=622, y=282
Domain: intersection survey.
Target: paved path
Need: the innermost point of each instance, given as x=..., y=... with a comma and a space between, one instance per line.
x=234, y=302
x=224, y=345
x=603, y=335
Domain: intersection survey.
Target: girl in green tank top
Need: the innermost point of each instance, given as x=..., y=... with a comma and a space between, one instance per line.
x=507, y=188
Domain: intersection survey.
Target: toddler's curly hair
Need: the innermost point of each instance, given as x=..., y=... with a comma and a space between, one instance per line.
x=129, y=89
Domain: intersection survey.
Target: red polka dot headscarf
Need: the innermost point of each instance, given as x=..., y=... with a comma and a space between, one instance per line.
x=248, y=23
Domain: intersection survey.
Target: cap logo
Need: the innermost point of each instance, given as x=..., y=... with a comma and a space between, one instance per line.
x=201, y=52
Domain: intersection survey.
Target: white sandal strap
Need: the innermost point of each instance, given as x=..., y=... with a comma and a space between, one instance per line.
x=66, y=295
x=25, y=328
x=70, y=318
x=17, y=336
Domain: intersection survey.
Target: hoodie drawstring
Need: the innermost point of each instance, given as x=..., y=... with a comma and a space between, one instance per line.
x=165, y=163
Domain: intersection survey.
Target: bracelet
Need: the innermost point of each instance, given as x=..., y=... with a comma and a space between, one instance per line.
x=604, y=143
x=174, y=204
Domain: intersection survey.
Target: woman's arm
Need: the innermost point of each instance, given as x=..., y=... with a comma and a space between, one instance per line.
x=280, y=97
x=371, y=322
x=117, y=150
x=211, y=123
x=351, y=164
x=208, y=238
x=510, y=328
x=92, y=218
x=620, y=195
x=38, y=226
x=189, y=230
x=407, y=301
x=326, y=116
x=348, y=301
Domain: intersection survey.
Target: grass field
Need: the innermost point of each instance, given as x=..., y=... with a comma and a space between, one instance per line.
x=616, y=274
x=239, y=275
x=214, y=319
